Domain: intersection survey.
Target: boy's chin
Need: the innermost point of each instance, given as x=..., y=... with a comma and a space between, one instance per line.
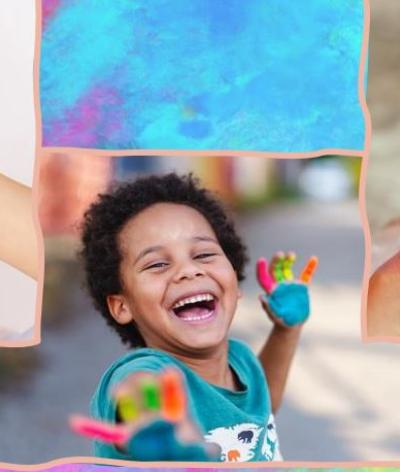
x=205, y=342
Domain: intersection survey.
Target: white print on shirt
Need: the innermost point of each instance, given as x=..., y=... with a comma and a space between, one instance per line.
x=270, y=447
x=238, y=442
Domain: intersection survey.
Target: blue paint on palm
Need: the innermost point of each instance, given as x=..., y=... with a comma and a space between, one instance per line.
x=158, y=442
x=202, y=74
x=290, y=302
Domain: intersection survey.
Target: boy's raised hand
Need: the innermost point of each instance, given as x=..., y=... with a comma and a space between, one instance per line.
x=286, y=299
x=154, y=423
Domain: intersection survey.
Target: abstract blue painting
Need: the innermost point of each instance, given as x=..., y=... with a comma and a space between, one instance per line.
x=251, y=75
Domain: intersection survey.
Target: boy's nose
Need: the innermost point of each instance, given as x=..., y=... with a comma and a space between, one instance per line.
x=188, y=270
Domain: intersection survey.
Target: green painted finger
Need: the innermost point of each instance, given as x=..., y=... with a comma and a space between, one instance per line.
x=287, y=266
x=151, y=395
x=277, y=267
x=127, y=408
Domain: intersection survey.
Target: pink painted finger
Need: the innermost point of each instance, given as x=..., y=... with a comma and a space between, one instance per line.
x=99, y=430
x=263, y=276
x=309, y=270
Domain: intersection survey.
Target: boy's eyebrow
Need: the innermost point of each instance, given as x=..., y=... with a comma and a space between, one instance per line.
x=205, y=238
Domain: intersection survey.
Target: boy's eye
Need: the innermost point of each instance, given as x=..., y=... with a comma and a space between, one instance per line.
x=205, y=255
x=156, y=265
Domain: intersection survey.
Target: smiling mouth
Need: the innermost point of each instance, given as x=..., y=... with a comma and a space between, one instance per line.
x=196, y=309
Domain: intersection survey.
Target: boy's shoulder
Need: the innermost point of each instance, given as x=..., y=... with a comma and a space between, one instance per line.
x=236, y=345
x=153, y=360
x=245, y=362
x=241, y=351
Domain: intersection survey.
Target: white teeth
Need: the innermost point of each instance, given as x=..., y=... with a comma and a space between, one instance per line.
x=205, y=297
x=197, y=318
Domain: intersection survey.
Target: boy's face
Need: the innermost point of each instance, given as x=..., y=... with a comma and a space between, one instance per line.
x=178, y=285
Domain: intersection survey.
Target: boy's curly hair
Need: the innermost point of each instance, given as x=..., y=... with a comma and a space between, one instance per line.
x=105, y=218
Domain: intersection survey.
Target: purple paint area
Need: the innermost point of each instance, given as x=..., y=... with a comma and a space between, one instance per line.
x=100, y=111
x=106, y=468
x=202, y=74
x=49, y=10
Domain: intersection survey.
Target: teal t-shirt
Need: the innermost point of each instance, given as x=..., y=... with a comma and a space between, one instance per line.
x=240, y=422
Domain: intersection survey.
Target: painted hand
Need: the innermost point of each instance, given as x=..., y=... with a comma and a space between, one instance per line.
x=154, y=424
x=286, y=299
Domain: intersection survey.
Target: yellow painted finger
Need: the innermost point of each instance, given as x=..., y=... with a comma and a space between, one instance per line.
x=309, y=270
x=127, y=407
x=136, y=395
x=287, y=266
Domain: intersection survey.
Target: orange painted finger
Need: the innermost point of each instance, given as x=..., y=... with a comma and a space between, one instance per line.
x=173, y=395
x=309, y=270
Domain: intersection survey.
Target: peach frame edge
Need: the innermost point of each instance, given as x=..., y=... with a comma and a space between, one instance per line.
x=36, y=339
x=80, y=460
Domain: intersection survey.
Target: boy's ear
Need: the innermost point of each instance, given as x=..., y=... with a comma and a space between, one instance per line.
x=119, y=309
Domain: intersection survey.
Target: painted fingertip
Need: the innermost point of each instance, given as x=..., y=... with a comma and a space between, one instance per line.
x=309, y=270
x=261, y=264
x=263, y=276
x=173, y=395
x=151, y=395
x=287, y=266
x=279, y=255
x=127, y=408
x=312, y=264
x=315, y=261
x=99, y=430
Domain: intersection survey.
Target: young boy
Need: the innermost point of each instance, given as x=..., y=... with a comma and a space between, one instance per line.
x=163, y=264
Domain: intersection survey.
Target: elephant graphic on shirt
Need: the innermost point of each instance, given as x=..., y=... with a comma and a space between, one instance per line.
x=238, y=443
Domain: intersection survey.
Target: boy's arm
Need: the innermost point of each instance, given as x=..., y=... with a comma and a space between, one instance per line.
x=150, y=420
x=276, y=358
x=18, y=244
x=286, y=301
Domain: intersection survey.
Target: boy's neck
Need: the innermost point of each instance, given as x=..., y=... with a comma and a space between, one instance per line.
x=213, y=367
